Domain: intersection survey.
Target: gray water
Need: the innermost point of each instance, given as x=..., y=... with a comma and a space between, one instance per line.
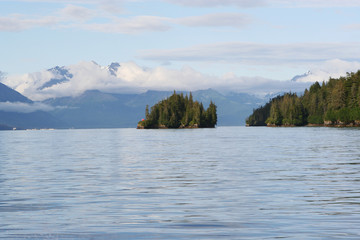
x=223, y=183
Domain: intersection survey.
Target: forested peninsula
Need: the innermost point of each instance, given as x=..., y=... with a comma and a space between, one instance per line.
x=179, y=111
x=333, y=103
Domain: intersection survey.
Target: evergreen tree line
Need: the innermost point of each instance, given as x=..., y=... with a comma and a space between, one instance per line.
x=336, y=102
x=179, y=111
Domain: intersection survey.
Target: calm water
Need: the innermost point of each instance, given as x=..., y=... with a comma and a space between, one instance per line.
x=223, y=183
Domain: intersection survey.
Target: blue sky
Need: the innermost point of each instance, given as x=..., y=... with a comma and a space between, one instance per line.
x=273, y=39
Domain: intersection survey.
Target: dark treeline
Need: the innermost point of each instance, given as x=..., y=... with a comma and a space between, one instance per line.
x=336, y=102
x=179, y=111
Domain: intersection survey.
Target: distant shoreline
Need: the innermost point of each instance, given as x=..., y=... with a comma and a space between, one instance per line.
x=164, y=127
x=337, y=125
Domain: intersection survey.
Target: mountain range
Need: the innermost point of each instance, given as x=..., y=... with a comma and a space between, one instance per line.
x=87, y=95
x=96, y=109
x=17, y=111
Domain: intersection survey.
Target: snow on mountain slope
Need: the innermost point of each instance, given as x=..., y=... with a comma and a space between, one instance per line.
x=333, y=68
x=128, y=77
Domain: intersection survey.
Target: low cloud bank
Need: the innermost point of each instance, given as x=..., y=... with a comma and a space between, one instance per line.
x=128, y=77
x=24, y=107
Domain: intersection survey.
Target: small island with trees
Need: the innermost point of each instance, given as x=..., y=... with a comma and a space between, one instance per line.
x=179, y=111
x=334, y=103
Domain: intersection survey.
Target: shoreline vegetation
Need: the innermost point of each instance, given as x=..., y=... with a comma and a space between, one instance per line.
x=335, y=103
x=179, y=111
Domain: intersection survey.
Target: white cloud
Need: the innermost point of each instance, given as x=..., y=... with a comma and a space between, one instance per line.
x=314, y=3
x=154, y=23
x=257, y=53
x=116, y=5
x=130, y=77
x=17, y=22
x=77, y=12
x=94, y=18
x=20, y=22
x=112, y=6
x=267, y=3
x=334, y=68
x=61, y=1
x=214, y=3
x=200, y=3
x=69, y=16
x=216, y=20
x=129, y=25
x=24, y=107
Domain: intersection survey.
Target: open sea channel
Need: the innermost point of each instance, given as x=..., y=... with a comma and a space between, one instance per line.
x=222, y=183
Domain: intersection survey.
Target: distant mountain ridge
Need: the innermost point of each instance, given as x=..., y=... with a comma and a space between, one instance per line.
x=82, y=96
x=129, y=77
x=9, y=95
x=96, y=109
x=10, y=119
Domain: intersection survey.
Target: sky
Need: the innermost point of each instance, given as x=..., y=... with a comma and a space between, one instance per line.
x=217, y=39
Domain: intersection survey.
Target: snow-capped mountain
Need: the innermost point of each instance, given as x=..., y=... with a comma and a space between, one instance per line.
x=70, y=80
x=315, y=76
x=73, y=80
x=333, y=68
x=61, y=75
x=128, y=77
x=113, y=68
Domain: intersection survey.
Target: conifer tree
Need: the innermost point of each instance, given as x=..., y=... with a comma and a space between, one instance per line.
x=336, y=101
x=180, y=111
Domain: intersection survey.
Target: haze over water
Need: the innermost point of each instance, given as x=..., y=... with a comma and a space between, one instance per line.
x=223, y=183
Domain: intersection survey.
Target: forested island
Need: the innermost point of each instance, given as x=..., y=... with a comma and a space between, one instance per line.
x=179, y=111
x=333, y=103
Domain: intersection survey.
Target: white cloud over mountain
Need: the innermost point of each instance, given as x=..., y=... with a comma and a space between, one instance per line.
x=129, y=77
x=333, y=68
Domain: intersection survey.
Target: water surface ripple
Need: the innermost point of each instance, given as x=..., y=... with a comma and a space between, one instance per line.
x=223, y=183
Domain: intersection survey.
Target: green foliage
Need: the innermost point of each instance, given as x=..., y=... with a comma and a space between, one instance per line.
x=336, y=102
x=355, y=114
x=178, y=111
x=259, y=116
x=331, y=115
x=283, y=110
x=315, y=119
